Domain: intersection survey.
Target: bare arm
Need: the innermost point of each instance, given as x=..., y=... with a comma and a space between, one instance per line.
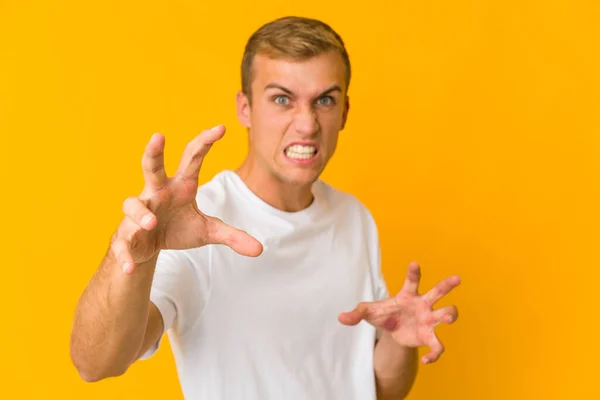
x=395, y=368
x=115, y=322
x=407, y=322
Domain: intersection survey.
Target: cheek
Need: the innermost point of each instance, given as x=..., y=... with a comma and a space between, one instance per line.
x=331, y=119
x=330, y=126
x=268, y=117
x=268, y=129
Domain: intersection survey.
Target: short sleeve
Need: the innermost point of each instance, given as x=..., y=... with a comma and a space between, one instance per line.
x=180, y=288
x=380, y=290
x=380, y=287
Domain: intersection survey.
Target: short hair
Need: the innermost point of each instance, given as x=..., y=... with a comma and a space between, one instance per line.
x=294, y=38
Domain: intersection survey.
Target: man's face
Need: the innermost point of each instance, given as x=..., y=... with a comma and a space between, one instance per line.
x=298, y=108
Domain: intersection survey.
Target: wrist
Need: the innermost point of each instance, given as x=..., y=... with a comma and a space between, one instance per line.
x=388, y=353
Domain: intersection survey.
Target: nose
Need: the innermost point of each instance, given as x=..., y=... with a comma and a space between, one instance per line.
x=306, y=122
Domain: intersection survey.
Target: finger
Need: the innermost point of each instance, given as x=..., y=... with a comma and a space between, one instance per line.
x=120, y=248
x=441, y=289
x=135, y=209
x=127, y=229
x=153, y=163
x=436, y=349
x=413, y=277
x=238, y=240
x=196, y=150
x=353, y=317
x=447, y=314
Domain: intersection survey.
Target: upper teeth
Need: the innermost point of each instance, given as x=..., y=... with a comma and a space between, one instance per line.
x=300, y=151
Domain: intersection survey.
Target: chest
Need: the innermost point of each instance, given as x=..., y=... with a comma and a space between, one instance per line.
x=301, y=280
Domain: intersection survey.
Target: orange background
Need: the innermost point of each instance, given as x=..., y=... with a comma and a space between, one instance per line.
x=473, y=138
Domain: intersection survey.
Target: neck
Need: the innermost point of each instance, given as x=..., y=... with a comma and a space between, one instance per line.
x=272, y=190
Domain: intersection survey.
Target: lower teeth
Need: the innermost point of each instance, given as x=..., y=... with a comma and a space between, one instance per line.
x=299, y=156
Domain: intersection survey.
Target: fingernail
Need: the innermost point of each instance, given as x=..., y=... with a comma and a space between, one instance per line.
x=127, y=268
x=449, y=318
x=425, y=361
x=146, y=220
x=216, y=127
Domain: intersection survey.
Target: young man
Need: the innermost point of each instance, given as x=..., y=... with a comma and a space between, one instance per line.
x=254, y=273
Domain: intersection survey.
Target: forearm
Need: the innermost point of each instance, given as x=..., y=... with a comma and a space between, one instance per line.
x=110, y=319
x=395, y=368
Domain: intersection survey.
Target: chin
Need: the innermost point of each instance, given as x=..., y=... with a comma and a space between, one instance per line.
x=299, y=177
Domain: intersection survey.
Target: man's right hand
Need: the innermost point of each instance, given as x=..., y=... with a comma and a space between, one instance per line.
x=165, y=215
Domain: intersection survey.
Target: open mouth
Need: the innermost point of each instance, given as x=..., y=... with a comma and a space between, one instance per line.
x=301, y=152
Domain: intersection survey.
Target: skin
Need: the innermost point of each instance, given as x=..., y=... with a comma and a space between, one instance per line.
x=292, y=102
x=115, y=322
x=307, y=101
x=406, y=322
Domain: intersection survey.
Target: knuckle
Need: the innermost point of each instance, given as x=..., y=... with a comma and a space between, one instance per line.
x=403, y=297
x=454, y=312
x=199, y=143
x=154, y=168
x=120, y=230
x=119, y=248
x=127, y=204
x=127, y=229
x=113, y=238
x=195, y=145
x=131, y=235
x=363, y=306
x=135, y=208
x=132, y=205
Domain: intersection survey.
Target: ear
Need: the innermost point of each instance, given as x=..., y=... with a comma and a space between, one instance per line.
x=243, y=109
x=345, y=115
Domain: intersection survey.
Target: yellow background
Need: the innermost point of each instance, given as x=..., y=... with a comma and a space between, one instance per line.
x=473, y=138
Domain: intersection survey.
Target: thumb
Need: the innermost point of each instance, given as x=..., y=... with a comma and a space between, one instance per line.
x=238, y=240
x=353, y=317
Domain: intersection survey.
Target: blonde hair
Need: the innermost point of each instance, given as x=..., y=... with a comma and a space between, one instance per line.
x=294, y=38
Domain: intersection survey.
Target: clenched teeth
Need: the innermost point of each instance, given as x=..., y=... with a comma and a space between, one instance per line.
x=298, y=151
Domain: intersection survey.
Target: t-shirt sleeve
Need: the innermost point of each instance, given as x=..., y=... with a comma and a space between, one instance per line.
x=179, y=290
x=380, y=289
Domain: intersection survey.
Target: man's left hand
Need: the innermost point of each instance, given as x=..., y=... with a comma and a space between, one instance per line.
x=409, y=317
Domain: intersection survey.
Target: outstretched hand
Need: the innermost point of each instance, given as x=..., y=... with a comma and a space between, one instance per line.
x=409, y=316
x=166, y=215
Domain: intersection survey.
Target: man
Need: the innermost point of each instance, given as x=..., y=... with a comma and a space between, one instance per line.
x=252, y=274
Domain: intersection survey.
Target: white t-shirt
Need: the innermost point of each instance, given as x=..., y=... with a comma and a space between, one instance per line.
x=266, y=327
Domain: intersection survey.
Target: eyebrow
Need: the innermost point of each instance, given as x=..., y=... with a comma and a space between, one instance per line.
x=334, y=88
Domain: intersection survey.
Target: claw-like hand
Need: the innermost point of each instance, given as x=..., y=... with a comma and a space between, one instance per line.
x=165, y=215
x=408, y=316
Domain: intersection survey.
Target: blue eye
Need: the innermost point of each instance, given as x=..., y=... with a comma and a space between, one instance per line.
x=326, y=101
x=282, y=100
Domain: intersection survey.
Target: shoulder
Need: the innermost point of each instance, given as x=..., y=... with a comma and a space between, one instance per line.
x=214, y=195
x=347, y=204
x=215, y=187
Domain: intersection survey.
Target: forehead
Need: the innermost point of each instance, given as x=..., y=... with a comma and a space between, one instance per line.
x=301, y=76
